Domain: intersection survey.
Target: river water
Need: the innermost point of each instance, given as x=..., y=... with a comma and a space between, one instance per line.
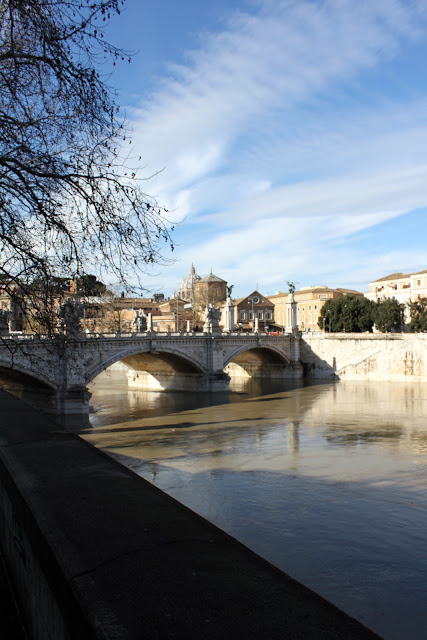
x=328, y=481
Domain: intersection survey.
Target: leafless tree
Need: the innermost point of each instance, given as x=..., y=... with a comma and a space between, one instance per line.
x=69, y=204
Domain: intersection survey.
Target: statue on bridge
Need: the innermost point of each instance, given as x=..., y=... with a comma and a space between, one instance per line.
x=229, y=290
x=70, y=313
x=291, y=286
x=139, y=323
x=212, y=317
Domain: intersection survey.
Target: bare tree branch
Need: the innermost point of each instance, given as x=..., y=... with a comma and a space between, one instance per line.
x=69, y=203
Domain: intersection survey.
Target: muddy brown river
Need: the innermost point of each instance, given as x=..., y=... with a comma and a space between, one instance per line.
x=328, y=481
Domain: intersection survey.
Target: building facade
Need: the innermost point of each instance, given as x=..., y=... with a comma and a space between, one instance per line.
x=253, y=311
x=210, y=290
x=404, y=288
x=200, y=292
x=309, y=301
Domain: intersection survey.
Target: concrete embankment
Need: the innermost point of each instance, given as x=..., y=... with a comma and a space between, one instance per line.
x=397, y=357
x=97, y=552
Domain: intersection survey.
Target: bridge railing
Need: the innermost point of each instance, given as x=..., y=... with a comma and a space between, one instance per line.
x=17, y=337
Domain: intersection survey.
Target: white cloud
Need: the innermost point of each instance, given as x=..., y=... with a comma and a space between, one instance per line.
x=261, y=63
x=271, y=142
x=386, y=195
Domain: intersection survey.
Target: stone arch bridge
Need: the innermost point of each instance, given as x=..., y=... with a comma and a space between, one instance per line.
x=63, y=367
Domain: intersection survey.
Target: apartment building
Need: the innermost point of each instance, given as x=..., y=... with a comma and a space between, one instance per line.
x=405, y=288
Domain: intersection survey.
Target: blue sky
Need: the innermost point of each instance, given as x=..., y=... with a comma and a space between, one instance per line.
x=291, y=136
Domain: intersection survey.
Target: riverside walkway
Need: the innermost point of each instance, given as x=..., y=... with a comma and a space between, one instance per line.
x=11, y=624
x=95, y=551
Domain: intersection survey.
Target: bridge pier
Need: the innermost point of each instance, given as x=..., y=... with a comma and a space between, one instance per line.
x=73, y=402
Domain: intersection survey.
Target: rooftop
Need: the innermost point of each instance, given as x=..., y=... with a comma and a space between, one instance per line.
x=400, y=275
x=212, y=278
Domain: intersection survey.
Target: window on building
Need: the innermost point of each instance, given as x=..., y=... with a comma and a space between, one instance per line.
x=251, y=315
x=418, y=283
x=260, y=315
x=242, y=315
x=268, y=315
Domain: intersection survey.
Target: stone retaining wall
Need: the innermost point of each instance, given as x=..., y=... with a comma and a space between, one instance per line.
x=398, y=357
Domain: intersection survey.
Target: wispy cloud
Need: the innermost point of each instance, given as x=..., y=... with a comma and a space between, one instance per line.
x=290, y=126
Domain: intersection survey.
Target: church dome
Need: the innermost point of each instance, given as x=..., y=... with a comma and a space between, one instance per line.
x=186, y=288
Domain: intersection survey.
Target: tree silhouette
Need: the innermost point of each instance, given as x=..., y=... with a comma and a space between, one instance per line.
x=69, y=202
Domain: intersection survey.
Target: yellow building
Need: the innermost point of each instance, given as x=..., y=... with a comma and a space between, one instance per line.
x=309, y=301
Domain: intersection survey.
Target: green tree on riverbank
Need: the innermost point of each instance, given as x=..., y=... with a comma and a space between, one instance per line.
x=347, y=314
x=418, y=311
x=389, y=315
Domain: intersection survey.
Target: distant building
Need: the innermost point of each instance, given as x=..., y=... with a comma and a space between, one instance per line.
x=187, y=286
x=309, y=302
x=110, y=314
x=254, y=309
x=210, y=290
x=173, y=315
x=200, y=292
x=12, y=309
x=404, y=288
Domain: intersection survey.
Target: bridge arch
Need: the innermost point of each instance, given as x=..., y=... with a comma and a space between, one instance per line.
x=160, y=369
x=16, y=374
x=248, y=347
x=257, y=362
x=35, y=389
x=131, y=357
